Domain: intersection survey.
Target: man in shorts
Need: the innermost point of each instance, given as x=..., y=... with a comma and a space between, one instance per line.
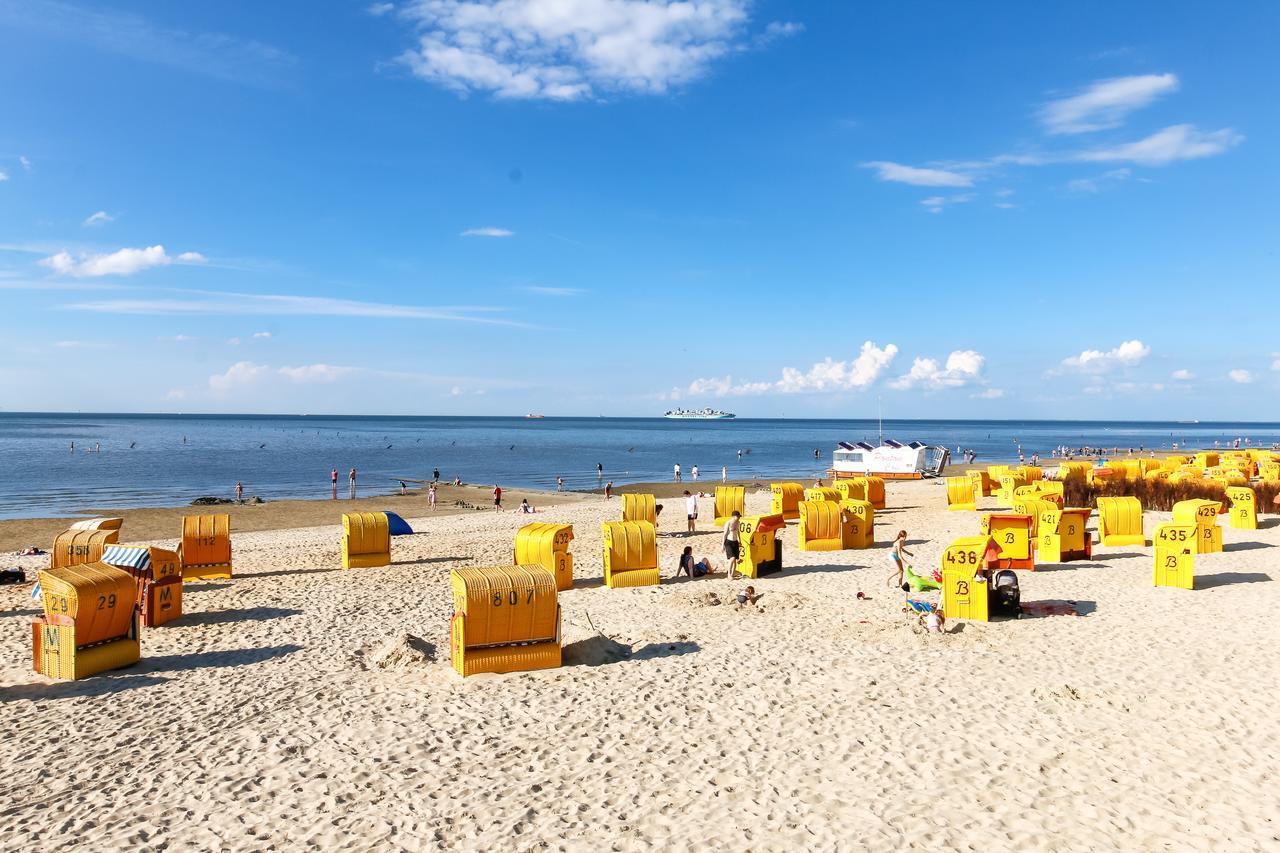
x=497, y=498
x=691, y=509
x=732, y=545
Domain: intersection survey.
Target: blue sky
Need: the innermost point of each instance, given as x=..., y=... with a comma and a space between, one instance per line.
x=586, y=207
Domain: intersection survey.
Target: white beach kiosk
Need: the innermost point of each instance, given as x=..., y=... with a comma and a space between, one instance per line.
x=890, y=461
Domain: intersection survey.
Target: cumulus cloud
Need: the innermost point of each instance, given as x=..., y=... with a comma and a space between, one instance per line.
x=1177, y=142
x=99, y=218
x=826, y=375
x=1183, y=375
x=244, y=373
x=315, y=373
x=239, y=374
x=898, y=173
x=121, y=262
x=1105, y=103
x=963, y=367
x=487, y=232
x=549, y=49
x=1240, y=376
x=1128, y=354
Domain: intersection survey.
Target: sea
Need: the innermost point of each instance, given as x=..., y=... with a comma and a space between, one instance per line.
x=129, y=460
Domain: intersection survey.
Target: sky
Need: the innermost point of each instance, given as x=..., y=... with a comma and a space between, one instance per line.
x=616, y=207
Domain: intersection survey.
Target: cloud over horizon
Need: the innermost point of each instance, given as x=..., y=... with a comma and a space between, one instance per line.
x=121, y=262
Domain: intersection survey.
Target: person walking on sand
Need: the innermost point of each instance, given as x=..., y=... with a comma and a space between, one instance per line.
x=497, y=498
x=608, y=490
x=431, y=497
x=435, y=475
x=351, y=479
x=694, y=472
x=691, y=509
x=677, y=472
x=732, y=545
x=559, y=484
x=239, y=492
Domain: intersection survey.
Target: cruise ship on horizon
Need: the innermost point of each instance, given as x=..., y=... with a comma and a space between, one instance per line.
x=707, y=414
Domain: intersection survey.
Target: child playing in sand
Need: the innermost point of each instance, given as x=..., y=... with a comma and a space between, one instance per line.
x=748, y=596
x=935, y=621
x=896, y=557
x=524, y=507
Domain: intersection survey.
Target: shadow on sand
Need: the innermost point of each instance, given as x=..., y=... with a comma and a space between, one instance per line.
x=1230, y=578
x=250, y=614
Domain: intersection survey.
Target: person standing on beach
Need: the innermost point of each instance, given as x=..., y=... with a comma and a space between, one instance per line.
x=732, y=545
x=333, y=479
x=559, y=484
x=239, y=492
x=351, y=479
x=435, y=475
x=691, y=509
x=608, y=490
x=724, y=473
x=694, y=472
x=677, y=472
x=431, y=497
x=497, y=498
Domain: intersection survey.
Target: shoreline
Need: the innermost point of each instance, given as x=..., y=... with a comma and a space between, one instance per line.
x=163, y=522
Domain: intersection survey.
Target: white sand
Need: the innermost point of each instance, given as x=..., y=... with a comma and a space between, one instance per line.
x=263, y=720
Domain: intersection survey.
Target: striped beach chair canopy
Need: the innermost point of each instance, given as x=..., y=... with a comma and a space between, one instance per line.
x=127, y=556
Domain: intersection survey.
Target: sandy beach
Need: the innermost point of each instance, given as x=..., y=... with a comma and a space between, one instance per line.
x=283, y=711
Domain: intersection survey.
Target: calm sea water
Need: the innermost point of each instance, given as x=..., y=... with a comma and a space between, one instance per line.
x=167, y=460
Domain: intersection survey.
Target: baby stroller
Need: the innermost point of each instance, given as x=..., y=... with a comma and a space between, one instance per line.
x=1005, y=598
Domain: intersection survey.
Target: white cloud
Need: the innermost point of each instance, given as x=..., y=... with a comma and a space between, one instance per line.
x=262, y=334
x=826, y=375
x=1094, y=185
x=935, y=203
x=963, y=367
x=487, y=232
x=81, y=345
x=1183, y=375
x=380, y=9
x=1242, y=377
x=121, y=262
x=315, y=373
x=244, y=373
x=1177, y=142
x=554, y=291
x=204, y=302
x=898, y=173
x=240, y=373
x=989, y=394
x=1106, y=103
x=1128, y=354
x=99, y=218
x=550, y=49
x=25, y=163
x=233, y=342
x=4, y=176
